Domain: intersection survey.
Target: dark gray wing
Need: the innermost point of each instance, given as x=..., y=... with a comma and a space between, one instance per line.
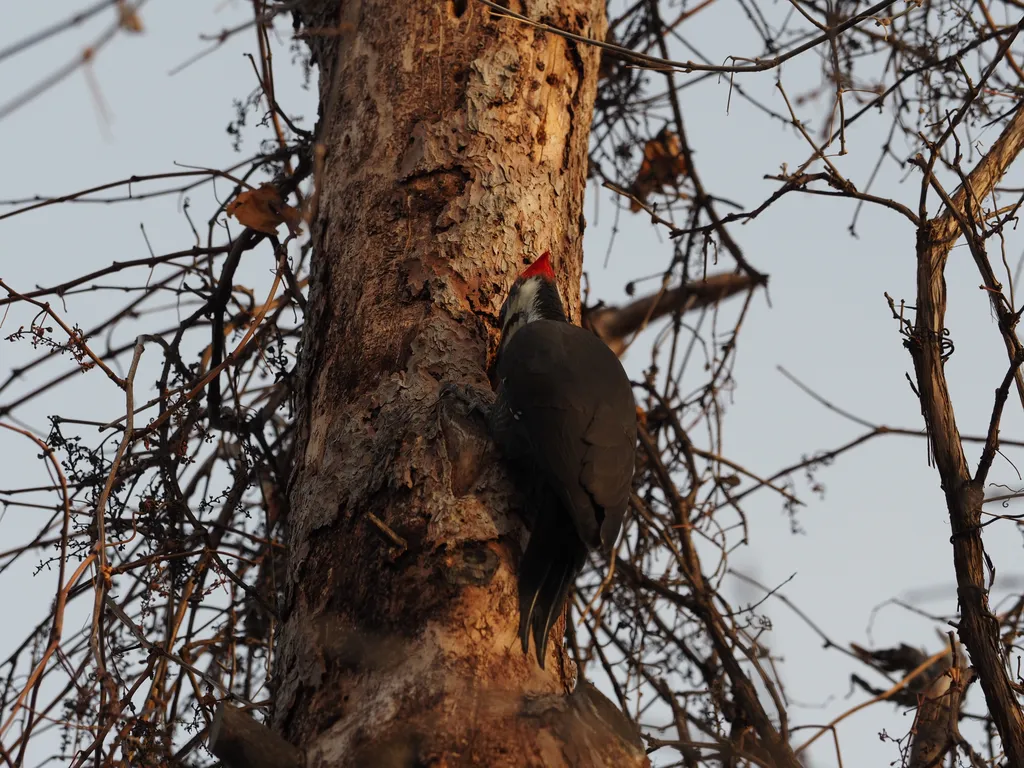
x=574, y=407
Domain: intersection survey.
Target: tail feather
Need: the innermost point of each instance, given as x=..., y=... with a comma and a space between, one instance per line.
x=553, y=595
x=533, y=572
x=553, y=557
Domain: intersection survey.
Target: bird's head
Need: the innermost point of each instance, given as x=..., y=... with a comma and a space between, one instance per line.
x=533, y=296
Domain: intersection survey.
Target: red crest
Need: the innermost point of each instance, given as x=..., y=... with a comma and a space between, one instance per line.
x=541, y=266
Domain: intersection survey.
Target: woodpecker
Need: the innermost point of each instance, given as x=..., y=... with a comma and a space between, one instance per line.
x=565, y=417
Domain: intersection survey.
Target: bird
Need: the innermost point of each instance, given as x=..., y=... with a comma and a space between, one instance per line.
x=564, y=417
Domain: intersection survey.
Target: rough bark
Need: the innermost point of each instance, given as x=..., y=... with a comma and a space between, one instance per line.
x=978, y=628
x=934, y=685
x=935, y=728
x=454, y=151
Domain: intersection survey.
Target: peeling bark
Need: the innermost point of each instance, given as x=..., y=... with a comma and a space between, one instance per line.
x=935, y=729
x=455, y=152
x=978, y=627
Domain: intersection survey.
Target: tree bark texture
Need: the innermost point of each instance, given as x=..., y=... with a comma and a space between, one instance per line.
x=939, y=703
x=978, y=628
x=454, y=151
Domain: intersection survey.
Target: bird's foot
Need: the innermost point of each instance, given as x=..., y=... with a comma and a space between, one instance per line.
x=472, y=400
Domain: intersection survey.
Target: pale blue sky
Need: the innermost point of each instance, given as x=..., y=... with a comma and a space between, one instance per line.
x=881, y=531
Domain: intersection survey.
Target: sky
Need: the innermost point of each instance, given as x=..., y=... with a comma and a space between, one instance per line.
x=879, y=532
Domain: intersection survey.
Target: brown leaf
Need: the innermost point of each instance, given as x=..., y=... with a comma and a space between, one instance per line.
x=663, y=164
x=641, y=416
x=609, y=60
x=128, y=17
x=263, y=210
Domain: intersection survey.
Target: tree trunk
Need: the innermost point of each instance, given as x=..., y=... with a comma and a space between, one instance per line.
x=454, y=150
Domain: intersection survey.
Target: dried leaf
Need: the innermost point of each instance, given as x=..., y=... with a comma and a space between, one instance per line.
x=128, y=17
x=263, y=210
x=609, y=60
x=730, y=481
x=641, y=416
x=663, y=164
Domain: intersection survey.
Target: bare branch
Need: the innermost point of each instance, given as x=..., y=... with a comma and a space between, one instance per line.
x=615, y=324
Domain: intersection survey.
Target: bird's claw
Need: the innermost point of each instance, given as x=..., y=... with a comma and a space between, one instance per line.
x=473, y=400
x=451, y=389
